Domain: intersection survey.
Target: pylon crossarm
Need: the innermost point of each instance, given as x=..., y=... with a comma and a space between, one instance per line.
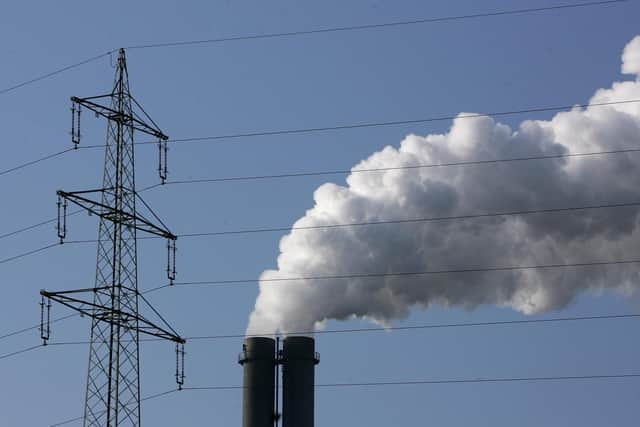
x=129, y=320
x=112, y=214
x=124, y=118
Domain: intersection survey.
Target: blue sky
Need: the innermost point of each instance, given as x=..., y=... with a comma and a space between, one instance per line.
x=480, y=65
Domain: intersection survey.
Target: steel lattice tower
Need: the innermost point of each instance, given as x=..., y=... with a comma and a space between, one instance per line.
x=113, y=380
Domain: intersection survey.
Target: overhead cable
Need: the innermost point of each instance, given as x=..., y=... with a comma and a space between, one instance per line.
x=446, y=381
x=150, y=397
x=242, y=135
x=396, y=168
x=375, y=124
x=388, y=329
x=31, y=252
x=388, y=221
x=55, y=72
x=35, y=161
x=325, y=30
x=314, y=31
x=453, y=381
x=402, y=274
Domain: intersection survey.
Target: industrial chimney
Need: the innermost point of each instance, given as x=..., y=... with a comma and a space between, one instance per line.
x=260, y=358
x=298, y=381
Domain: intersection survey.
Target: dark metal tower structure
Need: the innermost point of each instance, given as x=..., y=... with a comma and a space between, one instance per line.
x=114, y=303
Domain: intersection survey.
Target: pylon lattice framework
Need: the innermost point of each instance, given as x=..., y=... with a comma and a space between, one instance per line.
x=113, y=380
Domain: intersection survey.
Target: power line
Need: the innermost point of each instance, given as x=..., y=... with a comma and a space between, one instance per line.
x=150, y=397
x=390, y=221
x=36, y=225
x=24, y=350
x=404, y=274
x=33, y=162
x=398, y=328
x=412, y=220
x=447, y=381
x=358, y=224
x=300, y=174
x=355, y=126
x=363, y=125
x=375, y=124
x=374, y=26
x=27, y=228
x=31, y=328
x=394, y=168
x=314, y=31
x=454, y=381
x=429, y=326
x=392, y=328
x=281, y=132
x=480, y=380
x=54, y=73
x=31, y=252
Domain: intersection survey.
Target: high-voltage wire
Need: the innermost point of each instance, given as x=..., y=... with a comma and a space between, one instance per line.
x=354, y=224
x=317, y=31
x=404, y=273
x=395, y=168
x=36, y=225
x=453, y=381
x=376, y=124
x=24, y=350
x=34, y=327
x=429, y=326
x=25, y=254
x=391, y=328
x=447, y=381
x=412, y=220
x=35, y=161
x=280, y=132
x=392, y=221
x=150, y=397
x=368, y=170
x=55, y=72
x=565, y=378
x=520, y=322
x=376, y=26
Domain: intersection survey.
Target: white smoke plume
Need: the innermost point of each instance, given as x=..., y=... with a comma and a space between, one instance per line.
x=570, y=237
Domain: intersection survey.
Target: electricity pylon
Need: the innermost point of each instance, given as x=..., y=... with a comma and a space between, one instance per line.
x=113, y=380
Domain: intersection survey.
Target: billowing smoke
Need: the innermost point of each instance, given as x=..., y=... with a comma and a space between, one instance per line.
x=568, y=237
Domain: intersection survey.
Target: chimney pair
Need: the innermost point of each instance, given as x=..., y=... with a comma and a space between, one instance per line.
x=261, y=359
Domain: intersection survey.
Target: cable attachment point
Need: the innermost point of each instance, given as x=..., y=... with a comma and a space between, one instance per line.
x=61, y=227
x=76, y=110
x=162, y=160
x=171, y=260
x=180, y=364
x=45, y=319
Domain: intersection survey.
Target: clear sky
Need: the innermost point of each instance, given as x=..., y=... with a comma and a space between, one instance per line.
x=490, y=64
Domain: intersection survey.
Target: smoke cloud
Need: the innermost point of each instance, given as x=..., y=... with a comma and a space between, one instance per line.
x=569, y=237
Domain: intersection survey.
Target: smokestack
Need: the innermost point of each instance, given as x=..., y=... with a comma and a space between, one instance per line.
x=260, y=383
x=298, y=380
x=258, y=360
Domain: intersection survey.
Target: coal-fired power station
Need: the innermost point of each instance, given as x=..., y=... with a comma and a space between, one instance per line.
x=261, y=359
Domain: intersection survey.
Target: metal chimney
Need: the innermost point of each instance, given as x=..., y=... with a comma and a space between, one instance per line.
x=298, y=360
x=258, y=360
